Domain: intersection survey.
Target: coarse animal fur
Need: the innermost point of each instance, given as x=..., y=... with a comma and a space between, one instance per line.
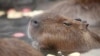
x=88, y=10
x=16, y=47
x=56, y=32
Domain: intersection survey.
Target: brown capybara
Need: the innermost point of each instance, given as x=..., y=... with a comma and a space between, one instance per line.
x=16, y=47
x=88, y=10
x=56, y=32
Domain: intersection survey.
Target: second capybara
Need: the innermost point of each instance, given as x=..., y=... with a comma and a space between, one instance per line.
x=56, y=32
x=88, y=10
x=16, y=47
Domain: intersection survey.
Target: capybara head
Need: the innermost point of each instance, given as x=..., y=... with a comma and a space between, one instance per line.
x=54, y=31
x=15, y=47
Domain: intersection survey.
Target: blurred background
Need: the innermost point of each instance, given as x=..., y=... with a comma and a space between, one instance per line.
x=14, y=18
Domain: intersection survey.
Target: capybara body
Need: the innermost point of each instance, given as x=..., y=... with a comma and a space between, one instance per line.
x=56, y=32
x=88, y=10
x=16, y=47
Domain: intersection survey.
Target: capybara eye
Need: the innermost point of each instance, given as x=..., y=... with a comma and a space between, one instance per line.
x=78, y=19
x=68, y=24
x=34, y=23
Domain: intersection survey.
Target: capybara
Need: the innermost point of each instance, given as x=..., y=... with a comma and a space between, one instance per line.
x=88, y=10
x=57, y=32
x=16, y=47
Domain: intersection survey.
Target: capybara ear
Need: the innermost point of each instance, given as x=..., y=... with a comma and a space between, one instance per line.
x=87, y=25
x=78, y=19
x=84, y=25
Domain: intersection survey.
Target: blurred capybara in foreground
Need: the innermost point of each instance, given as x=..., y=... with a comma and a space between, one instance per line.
x=15, y=47
x=56, y=32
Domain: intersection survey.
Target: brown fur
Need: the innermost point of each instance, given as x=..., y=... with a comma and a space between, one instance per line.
x=88, y=10
x=15, y=47
x=52, y=33
x=87, y=1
